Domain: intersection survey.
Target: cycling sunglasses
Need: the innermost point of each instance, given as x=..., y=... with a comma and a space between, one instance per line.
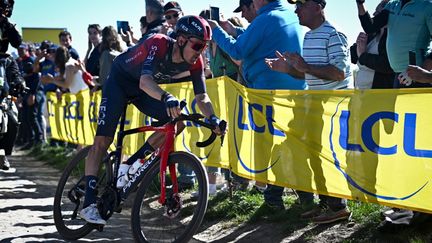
x=168, y=17
x=198, y=46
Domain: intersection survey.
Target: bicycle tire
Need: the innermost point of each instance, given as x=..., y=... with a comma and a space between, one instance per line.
x=66, y=179
x=146, y=206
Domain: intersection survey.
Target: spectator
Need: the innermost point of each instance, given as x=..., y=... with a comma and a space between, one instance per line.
x=370, y=55
x=72, y=72
x=324, y=65
x=409, y=29
x=220, y=63
x=129, y=37
x=274, y=27
x=247, y=9
x=44, y=65
x=154, y=22
x=30, y=122
x=25, y=135
x=109, y=49
x=172, y=13
x=65, y=39
x=91, y=59
x=154, y=16
x=9, y=34
x=14, y=81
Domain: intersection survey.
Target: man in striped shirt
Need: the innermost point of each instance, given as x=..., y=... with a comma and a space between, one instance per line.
x=325, y=66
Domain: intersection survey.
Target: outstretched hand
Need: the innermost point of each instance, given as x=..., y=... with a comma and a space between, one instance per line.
x=279, y=63
x=419, y=74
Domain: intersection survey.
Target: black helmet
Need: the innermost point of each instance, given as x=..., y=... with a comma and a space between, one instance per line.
x=194, y=26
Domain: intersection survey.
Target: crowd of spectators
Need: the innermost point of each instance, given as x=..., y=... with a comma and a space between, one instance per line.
x=270, y=53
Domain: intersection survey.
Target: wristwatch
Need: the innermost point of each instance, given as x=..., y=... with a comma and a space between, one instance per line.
x=360, y=1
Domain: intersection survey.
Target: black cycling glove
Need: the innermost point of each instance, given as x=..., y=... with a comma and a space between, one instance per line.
x=169, y=100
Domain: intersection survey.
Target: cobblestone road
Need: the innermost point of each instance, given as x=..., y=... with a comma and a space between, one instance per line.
x=26, y=198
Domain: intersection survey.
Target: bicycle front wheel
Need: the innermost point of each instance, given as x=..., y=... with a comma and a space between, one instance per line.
x=150, y=220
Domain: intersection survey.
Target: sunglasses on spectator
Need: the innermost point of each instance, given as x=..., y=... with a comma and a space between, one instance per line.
x=168, y=17
x=198, y=46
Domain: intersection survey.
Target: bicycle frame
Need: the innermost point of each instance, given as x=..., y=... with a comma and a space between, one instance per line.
x=162, y=152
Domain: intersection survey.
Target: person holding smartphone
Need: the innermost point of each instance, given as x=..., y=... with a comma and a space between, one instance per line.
x=172, y=13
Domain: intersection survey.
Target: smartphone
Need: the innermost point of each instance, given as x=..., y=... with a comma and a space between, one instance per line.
x=412, y=58
x=214, y=13
x=122, y=25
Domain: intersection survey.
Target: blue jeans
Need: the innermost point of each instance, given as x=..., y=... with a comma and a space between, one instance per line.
x=40, y=118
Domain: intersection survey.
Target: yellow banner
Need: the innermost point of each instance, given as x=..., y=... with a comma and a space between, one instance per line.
x=363, y=145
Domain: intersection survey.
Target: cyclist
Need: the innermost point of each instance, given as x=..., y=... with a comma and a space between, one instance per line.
x=136, y=75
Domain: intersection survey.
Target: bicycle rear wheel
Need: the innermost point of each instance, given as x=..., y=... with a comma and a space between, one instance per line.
x=69, y=198
x=150, y=222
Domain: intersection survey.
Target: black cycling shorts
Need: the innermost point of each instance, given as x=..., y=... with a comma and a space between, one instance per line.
x=116, y=93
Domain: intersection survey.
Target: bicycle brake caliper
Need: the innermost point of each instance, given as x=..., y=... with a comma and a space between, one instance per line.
x=173, y=205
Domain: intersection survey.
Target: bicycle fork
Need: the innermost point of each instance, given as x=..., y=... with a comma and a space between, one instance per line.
x=168, y=148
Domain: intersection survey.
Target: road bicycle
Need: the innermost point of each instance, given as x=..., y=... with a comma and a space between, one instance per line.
x=161, y=212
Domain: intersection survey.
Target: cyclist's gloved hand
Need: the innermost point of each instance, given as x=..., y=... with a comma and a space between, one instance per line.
x=215, y=121
x=172, y=105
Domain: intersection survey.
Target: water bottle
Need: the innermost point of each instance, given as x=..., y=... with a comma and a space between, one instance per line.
x=134, y=167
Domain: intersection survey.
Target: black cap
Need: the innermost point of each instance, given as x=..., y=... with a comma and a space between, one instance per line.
x=242, y=2
x=172, y=6
x=320, y=2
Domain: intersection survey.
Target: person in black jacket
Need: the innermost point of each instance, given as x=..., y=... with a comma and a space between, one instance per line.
x=370, y=53
x=9, y=34
x=12, y=84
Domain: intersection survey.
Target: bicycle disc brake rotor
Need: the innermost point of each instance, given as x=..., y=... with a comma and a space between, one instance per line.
x=173, y=205
x=107, y=202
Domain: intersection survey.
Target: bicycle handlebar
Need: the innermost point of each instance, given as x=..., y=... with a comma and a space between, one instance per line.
x=196, y=118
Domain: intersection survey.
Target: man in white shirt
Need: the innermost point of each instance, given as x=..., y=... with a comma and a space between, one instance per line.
x=325, y=66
